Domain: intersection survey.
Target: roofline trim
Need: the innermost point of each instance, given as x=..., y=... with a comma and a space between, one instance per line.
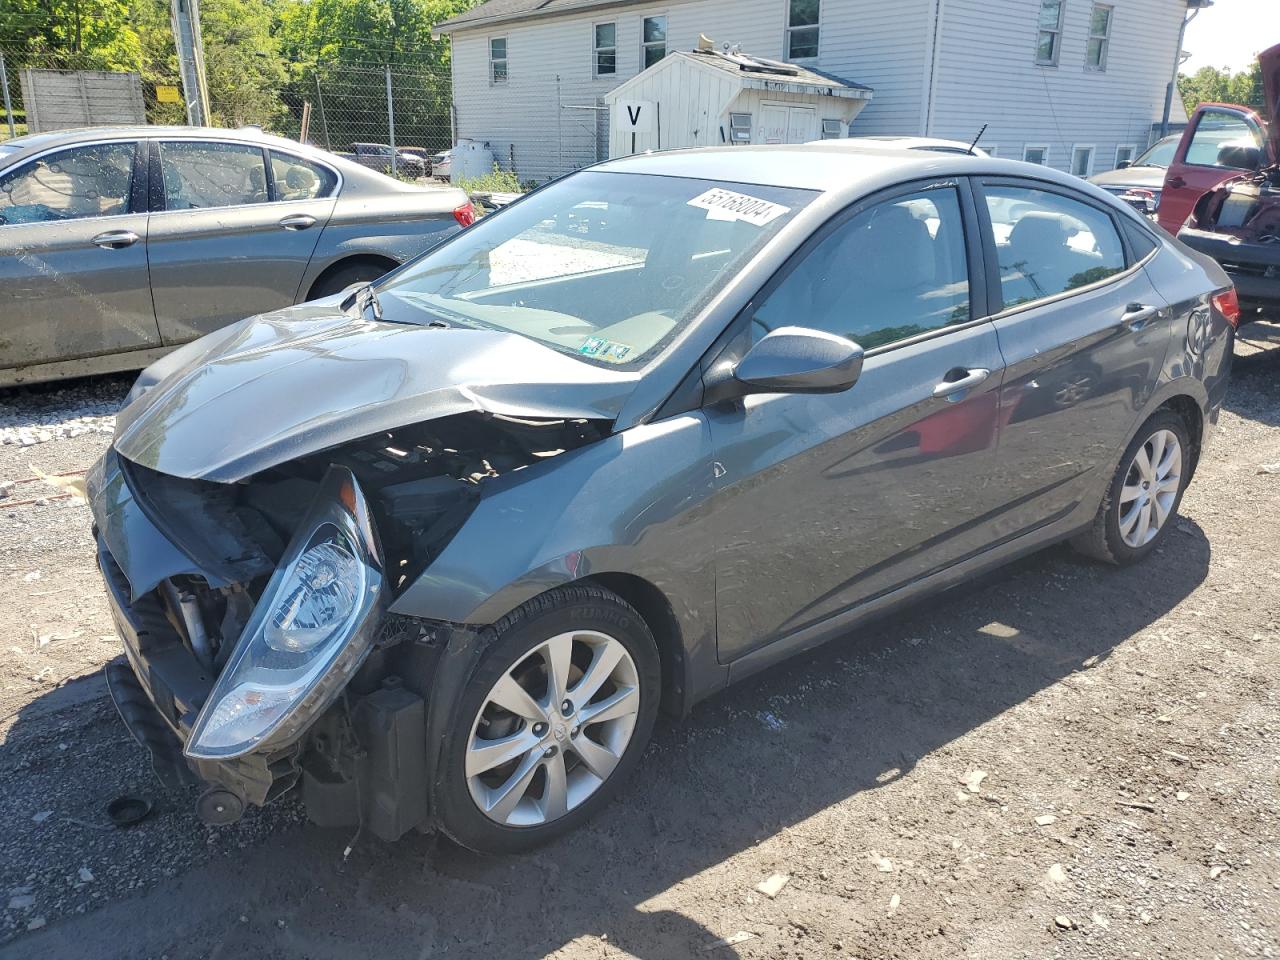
x=538, y=13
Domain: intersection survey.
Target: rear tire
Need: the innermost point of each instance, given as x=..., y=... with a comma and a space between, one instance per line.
x=365, y=271
x=513, y=779
x=1142, y=501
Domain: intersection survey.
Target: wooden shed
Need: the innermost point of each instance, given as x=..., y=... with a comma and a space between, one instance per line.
x=712, y=97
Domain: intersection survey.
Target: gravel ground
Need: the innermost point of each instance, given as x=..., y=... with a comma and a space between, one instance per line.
x=1065, y=760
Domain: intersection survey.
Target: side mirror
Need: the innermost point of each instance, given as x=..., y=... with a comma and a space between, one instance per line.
x=799, y=360
x=1123, y=164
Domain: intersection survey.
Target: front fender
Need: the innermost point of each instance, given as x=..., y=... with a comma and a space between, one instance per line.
x=635, y=503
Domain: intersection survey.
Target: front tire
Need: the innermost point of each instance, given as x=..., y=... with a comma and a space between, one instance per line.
x=551, y=723
x=1142, y=501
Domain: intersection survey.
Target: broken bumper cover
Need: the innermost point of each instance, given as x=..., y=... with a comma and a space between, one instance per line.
x=243, y=723
x=158, y=687
x=1254, y=268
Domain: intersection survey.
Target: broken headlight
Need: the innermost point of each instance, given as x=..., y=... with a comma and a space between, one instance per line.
x=310, y=631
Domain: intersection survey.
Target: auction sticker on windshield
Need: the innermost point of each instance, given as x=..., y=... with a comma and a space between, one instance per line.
x=603, y=349
x=722, y=204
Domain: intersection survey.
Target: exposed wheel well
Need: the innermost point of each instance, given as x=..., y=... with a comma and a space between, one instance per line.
x=653, y=605
x=386, y=264
x=1187, y=408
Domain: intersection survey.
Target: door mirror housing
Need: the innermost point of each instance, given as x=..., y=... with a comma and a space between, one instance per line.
x=1124, y=164
x=799, y=360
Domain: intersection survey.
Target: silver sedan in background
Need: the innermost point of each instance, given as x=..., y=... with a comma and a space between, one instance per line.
x=119, y=244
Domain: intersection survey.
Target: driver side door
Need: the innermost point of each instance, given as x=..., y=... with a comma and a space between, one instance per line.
x=73, y=256
x=1220, y=142
x=824, y=502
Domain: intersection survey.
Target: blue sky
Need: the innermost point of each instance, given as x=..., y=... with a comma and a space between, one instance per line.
x=1231, y=32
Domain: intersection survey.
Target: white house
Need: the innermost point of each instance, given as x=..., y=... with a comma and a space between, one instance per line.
x=1076, y=84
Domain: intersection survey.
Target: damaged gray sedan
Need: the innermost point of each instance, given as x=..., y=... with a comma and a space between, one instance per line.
x=438, y=549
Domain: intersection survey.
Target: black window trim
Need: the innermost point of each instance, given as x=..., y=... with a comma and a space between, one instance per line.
x=990, y=256
x=978, y=297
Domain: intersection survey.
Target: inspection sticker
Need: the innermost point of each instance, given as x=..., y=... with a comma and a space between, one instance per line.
x=606, y=350
x=723, y=204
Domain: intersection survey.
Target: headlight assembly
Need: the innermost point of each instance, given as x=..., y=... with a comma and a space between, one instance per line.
x=308, y=634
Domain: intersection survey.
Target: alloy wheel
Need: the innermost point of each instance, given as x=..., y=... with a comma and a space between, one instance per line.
x=552, y=729
x=1150, y=488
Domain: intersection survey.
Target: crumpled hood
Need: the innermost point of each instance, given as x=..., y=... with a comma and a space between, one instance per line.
x=298, y=381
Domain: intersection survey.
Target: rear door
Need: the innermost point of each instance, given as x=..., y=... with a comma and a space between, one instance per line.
x=1083, y=333
x=1220, y=142
x=73, y=261
x=233, y=230
x=823, y=502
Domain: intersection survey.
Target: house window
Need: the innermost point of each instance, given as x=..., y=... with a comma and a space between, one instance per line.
x=802, y=29
x=1095, y=54
x=739, y=128
x=831, y=129
x=1050, y=35
x=1124, y=153
x=606, y=49
x=497, y=59
x=653, y=41
x=1036, y=154
x=1082, y=161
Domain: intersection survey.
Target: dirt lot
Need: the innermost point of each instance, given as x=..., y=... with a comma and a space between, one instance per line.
x=1126, y=722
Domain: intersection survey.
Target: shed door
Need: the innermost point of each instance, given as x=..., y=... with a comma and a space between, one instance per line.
x=787, y=124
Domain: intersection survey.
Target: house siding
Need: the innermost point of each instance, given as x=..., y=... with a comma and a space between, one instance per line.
x=986, y=73
x=549, y=117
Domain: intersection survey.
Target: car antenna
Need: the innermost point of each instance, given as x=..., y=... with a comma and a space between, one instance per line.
x=976, y=139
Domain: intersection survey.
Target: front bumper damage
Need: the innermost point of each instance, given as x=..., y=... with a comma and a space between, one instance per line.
x=360, y=760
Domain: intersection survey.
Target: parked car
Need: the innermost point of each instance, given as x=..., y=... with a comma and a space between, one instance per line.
x=422, y=154
x=442, y=165
x=1140, y=182
x=477, y=522
x=932, y=144
x=118, y=244
x=377, y=156
x=1226, y=183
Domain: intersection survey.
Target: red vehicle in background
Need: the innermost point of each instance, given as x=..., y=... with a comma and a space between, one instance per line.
x=1221, y=193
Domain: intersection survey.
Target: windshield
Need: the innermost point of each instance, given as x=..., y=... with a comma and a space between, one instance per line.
x=1160, y=155
x=608, y=267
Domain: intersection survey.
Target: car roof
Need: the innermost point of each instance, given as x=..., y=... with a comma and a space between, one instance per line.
x=867, y=168
x=39, y=142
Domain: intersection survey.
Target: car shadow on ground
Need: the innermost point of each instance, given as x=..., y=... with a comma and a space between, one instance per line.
x=1255, y=374
x=851, y=717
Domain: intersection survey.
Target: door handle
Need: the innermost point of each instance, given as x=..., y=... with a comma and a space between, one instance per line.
x=968, y=379
x=297, y=221
x=116, y=239
x=1137, y=315
x=1176, y=182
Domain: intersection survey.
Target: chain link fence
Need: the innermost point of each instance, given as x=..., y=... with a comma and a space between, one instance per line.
x=536, y=129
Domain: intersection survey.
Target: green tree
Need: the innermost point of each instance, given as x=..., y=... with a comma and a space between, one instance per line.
x=1212, y=84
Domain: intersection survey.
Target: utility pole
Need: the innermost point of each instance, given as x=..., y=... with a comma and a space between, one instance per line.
x=184, y=15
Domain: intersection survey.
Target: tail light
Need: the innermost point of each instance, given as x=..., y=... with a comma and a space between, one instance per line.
x=465, y=214
x=1228, y=304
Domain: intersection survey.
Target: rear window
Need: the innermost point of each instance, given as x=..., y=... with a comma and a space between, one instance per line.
x=608, y=267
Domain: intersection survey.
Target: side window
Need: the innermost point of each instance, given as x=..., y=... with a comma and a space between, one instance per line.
x=1048, y=243
x=1225, y=139
x=198, y=175
x=893, y=271
x=89, y=181
x=296, y=179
